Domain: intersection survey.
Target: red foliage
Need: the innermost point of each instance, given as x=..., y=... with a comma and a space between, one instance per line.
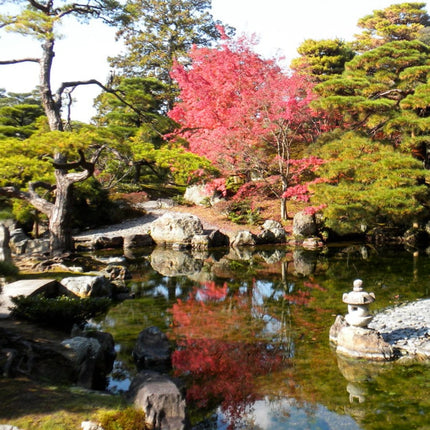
x=234, y=104
x=212, y=351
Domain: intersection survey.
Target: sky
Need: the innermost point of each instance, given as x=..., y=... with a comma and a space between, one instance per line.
x=280, y=25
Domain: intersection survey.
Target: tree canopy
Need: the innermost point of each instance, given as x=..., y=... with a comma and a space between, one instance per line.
x=403, y=21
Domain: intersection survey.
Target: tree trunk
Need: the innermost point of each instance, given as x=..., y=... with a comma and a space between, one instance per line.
x=51, y=106
x=60, y=221
x=284, y=213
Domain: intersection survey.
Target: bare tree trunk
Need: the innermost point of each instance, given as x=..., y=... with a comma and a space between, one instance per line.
x=51, y=106
x=284, y=213
x=61, y=239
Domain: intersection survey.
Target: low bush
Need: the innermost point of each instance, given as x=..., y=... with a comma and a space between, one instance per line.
x=242, y=212
x=126, y=419
x=61, y=312
x=8, y=269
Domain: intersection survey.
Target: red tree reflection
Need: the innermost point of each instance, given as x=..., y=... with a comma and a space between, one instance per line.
x=221, y=348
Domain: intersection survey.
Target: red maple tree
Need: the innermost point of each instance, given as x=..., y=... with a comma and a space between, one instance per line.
x=243, y=112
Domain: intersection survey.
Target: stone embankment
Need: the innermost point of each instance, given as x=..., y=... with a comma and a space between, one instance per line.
x=406, y=328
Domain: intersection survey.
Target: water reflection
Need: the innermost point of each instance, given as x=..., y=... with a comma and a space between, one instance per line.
x=251, y=329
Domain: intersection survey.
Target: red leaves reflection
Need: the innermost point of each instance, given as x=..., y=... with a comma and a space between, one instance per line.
x=220, y=348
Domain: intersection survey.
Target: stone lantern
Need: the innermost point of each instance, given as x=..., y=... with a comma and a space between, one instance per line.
x=358, y=302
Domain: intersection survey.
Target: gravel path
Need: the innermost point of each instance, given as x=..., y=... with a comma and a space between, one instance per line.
x=406, y=327
x=131, y=226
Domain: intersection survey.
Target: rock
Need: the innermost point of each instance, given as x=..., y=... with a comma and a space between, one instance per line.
x=104, y=242
x=94, y=354
x=18, y=241
x=117, y=273
x=37, y=246
x=244, y=238
x=29, y=287
x=359, y=342
x=312, y=243
x=152, y=350
x=138, y=241
x=39, y=360
x=88, y=286
x=90, y=425
x=170, y=262
x=218, y=239
x=304, y=225
x=273, y=232
x=196, y=194
x=161, y=400
x=200, y=241
x=175, y=228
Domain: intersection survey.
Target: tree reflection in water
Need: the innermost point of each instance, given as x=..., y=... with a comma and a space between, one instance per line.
x=223, y=347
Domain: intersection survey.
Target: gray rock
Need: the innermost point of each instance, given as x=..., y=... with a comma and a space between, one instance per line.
x=273, y=232
x=175, y=228
x=88, y=286
x=104, y=242
x=196, y=194
x=138, y=241
x=152, y=350
x=161, y=400
x=359, y=342
x=37, y=246
x=18, y=241
x=304, y=225
x=200, y=241
x=244, y=238
x=94, y=355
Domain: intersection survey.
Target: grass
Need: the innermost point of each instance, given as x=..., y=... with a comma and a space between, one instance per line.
x=28, y=405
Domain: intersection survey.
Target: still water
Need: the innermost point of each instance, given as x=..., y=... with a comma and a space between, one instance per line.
x=251, y=334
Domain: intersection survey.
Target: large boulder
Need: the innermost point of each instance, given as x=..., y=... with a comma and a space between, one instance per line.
x=88, y=286
x=359, y=342
x=272, y=232
x=93, y=355
x=152, y=350
x=161, y=400
x=304, y=225
x=175, y=228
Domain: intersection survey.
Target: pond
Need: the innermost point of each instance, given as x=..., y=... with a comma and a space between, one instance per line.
x=251, y=334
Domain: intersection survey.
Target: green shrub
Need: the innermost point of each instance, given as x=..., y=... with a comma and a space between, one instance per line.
x=8, y=269
x=126, y=419
x=62, y=312
x=242, y=212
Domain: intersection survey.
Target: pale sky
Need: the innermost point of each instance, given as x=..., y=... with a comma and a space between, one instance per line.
x=281, y=26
